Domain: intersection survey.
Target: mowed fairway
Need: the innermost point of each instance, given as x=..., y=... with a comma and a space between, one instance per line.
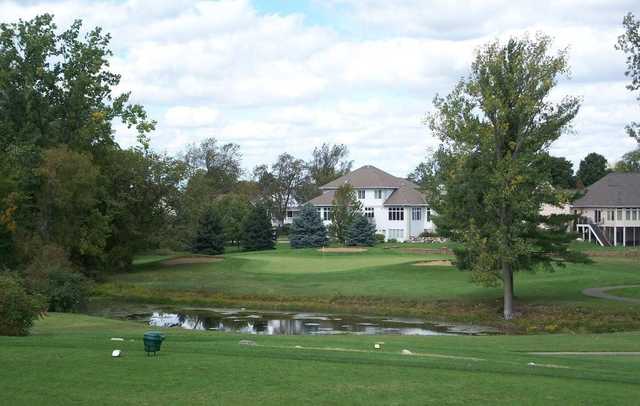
x=68, y=360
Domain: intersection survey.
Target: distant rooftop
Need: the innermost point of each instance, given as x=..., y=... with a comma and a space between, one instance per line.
x=614, y=190
x=368, y=177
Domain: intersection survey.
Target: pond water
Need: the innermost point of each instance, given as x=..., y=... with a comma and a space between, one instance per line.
x=296, y=323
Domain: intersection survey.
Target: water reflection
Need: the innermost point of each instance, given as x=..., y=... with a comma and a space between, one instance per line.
x=240, y=321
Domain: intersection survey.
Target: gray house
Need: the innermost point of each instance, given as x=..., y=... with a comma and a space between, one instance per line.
x=610, y=210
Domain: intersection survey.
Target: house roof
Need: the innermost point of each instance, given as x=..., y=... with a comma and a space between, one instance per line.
x=614, y=190
x=325, y=199
x=368, y=177
x=405, y=195
x=405, y=192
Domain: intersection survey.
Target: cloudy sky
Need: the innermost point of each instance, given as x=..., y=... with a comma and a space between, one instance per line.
x=287, y=75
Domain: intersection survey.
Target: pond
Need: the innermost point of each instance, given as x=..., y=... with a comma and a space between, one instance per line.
x=297, y=323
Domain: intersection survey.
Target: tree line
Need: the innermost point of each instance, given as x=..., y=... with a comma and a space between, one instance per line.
x=74, y=204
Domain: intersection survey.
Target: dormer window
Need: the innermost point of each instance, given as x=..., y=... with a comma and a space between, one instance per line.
x=378, y=193
x=361, y=194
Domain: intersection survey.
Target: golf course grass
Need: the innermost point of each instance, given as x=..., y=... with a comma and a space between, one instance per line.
x=383, y=280
x=67, y=360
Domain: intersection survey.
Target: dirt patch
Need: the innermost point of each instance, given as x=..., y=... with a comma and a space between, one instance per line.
x=443, y=250
x=434, y=263
x=191, y=260
x=343, y=249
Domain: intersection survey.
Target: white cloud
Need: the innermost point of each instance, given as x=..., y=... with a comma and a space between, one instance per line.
x=276, y=82
x=190, y=117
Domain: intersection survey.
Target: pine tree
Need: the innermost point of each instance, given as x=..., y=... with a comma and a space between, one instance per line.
x=307, y=230
x=361, y=232
x=257, y=231
x=209, y=237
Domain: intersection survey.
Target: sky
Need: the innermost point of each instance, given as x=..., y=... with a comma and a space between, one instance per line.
x=285, y=76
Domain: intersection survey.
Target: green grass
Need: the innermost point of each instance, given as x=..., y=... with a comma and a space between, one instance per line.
x=384, y=281
x=626, y=292
x=67, y=361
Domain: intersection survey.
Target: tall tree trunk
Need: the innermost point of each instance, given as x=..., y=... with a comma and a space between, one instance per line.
x=507, y=281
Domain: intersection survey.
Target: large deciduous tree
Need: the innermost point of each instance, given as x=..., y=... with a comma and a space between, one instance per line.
x=65, y=180
x=560, y=170
x=221, y=164
x=279, y=184
x=346, y=207
x=592, y=168
x=495, y=127
x=629, y=43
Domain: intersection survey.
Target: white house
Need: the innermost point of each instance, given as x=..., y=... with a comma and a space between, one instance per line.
x=610, y=210
x=396, y=206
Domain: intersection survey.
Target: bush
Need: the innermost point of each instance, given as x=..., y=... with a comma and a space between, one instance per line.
x=67, y=291
x=361, y=232
x=308, y=230
x=18, y=309
x=51, y=275
x=427, y=234
x=379, y=238
x=392, y=240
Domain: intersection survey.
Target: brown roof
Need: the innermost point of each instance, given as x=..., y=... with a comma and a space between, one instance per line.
x=325, y=199
x=405, y=195
x=367, y=177
x=614, y=190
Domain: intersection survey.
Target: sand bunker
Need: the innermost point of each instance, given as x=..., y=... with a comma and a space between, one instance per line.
x=439, y=262
x=413, y=250
x=191, y=260
x=343, y=249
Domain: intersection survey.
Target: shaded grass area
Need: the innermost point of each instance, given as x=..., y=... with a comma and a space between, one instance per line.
x=384, y=281
x=67, y=361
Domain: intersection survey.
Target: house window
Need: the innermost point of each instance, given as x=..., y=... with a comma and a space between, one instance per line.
x=289, y=213
x=319, y=210
x=361, y=194
x=396, y=233
x=627, y=214
x=378, y=193
x=428, y=213
x=396, y=213
x=368, y=212
x=619, y=214
x=610, y=215
x=635, y=214
x=416, y=213
x=326, y=214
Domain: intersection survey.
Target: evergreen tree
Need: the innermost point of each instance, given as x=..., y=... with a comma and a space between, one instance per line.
x=361, y=232
x=308, y=230
x=257, y=232
x=209, y=237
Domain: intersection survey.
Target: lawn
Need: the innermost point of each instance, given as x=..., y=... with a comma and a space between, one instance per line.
x=384, y=280
x=212, y=368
